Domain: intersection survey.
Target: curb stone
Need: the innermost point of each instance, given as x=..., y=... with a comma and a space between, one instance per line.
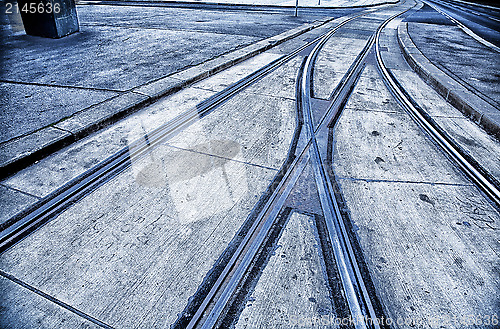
x=481, y=112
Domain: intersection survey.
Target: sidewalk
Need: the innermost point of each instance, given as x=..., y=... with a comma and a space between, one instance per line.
x=458, y=67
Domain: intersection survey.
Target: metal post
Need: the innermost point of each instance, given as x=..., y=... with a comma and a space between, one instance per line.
x=296, y=7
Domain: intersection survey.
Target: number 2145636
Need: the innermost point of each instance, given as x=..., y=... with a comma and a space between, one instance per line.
x=34, y=8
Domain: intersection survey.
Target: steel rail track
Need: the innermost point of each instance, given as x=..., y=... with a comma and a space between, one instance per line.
x=30, y=219
x=228, y=281
x=357, y=295
x=469, y=166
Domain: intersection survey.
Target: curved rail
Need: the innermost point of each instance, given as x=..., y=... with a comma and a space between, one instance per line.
x=241, y=260
x=471, y=168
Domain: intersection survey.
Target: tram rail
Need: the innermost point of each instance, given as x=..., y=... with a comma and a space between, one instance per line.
x=472, y=169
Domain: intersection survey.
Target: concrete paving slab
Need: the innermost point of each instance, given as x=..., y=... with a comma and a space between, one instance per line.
x=371, y=94
x=28, y=108
x=292, y=289
x=100, y=114
x=267, y=118
x=107, y=264
x=29, y=310
x=53, y=172
x=135, y=259
x=425, y=96
x=333, y=61
x=233, y=74
x=479, y=145
x=107, y=57
x=430, y=256
x=94, y=50
x=387, y=153
x=382, y=145
x=12, y=202
x=281, y=83
x=387, y=37
x=433, y=259
x=30, y=145
x=227, y=22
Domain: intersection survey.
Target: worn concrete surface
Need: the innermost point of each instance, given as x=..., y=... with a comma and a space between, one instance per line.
x=56, y=170
x=27, y=108
x=292, y=290
x=52, y=172
x=104, y=59
x=13, y=201
x=482, y=147
x=341, y=50
x=333, y=62
x=399, y=152
x=135, y=250
x=463, y=97
x=428, y=235
x=139, y=270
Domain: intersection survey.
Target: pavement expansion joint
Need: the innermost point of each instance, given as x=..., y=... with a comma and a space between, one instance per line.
x=206, y=89
x=53, y=299
x=272, y=96
x=224, y=158
x=374, y=180
x=377, y=111
x=140, y=93
x=62, y=129
x=21, y=191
